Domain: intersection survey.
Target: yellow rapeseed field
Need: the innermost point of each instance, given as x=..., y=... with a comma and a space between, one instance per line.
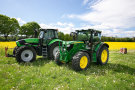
x=112, y=45
x=118, y=45
x=7, y=44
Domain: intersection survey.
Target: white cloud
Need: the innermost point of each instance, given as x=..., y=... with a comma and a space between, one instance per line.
x=21, y=22
x=85, y=1
x=110, y=15
x=65, y=24
x=106, y=31
x=63, y=27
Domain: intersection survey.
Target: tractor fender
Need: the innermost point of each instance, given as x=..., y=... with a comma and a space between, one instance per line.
x=86, y=51
x=54, y=40
x=102, y=44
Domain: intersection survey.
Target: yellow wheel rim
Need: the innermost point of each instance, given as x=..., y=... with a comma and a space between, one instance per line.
x=104, y=56
x=83, y=62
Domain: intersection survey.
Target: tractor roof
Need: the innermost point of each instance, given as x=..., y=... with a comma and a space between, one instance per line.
x=48, y=29
x=89, y=30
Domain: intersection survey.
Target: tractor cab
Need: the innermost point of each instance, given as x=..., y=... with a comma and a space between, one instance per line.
x=46, y=35
x=88, y=36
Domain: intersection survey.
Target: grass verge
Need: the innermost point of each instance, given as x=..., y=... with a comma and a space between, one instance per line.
x=119, y=73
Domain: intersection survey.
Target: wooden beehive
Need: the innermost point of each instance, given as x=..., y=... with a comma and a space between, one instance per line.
x=123, y=50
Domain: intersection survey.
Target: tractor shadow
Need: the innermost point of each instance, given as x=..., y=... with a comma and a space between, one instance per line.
x=99, y=70
x=93, y=69
x=38, y=62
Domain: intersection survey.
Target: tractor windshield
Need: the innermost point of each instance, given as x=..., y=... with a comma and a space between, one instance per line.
x=83, y=35
x=51, y=34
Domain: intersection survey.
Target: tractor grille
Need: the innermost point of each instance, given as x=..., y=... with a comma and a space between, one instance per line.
x=64, y=47
x=71, y=46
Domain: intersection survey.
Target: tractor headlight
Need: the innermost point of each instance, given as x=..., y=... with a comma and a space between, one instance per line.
x=64, y=49
x=68, y=45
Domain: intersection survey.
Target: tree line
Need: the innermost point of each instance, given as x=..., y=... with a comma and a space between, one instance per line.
x=9, y=27
x=10, y=30
x=117, y=39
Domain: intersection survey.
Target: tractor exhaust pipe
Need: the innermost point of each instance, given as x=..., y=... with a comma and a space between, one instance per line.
x=35, y=33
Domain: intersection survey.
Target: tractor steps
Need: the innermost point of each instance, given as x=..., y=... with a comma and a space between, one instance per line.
x=44, y=52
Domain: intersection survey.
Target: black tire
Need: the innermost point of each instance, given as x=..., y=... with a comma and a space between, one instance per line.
x=21, y=52
x=51, y=48
x=76, y=61
x=104, y=61
x=15, y=49
x=57, y=59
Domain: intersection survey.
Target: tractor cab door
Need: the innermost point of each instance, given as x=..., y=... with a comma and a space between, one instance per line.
x=49, y=35
x=96, y=37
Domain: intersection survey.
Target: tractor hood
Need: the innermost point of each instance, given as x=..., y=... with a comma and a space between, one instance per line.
x=31, y=41
x=72, y=42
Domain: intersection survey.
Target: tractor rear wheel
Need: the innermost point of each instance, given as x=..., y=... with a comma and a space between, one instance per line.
x=103, y=56
x=80, y=61
x=25, y=54
x=57, y=58
x=53, y=49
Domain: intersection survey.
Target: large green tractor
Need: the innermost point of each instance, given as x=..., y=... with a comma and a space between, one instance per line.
x=86, y=48
x=46, y=45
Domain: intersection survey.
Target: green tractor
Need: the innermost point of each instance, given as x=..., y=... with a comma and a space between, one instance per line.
x=46, y=45
x=86, y=48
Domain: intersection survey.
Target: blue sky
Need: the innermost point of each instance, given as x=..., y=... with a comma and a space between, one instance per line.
x=112, y=17
x=42, y=11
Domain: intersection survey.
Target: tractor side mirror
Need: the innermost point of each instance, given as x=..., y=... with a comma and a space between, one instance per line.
x=73, y=34
x=35, y=33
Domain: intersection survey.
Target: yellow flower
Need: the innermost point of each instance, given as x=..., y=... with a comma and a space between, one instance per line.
x=118, y=45
x=112, y=45
x=7, y=44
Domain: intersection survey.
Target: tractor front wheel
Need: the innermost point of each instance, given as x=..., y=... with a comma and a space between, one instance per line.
x=57, y=58
x=54, y=48
x=80, y=61
x=103, y=56
x=25, y=54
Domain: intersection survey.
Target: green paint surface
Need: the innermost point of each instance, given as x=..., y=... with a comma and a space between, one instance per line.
x=53, y=41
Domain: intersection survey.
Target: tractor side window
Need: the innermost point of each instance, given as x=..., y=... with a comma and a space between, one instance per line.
x=97, y=37
x=41, y=34
x=83, y=36
x=56, y=34
x=96, y=34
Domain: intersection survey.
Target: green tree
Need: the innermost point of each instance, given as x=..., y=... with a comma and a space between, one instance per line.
x=8, y=26
x=29, y=28
x=67, y=37
x=61, y=35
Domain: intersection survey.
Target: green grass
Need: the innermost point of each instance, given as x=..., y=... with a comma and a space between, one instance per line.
x=119, y=73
